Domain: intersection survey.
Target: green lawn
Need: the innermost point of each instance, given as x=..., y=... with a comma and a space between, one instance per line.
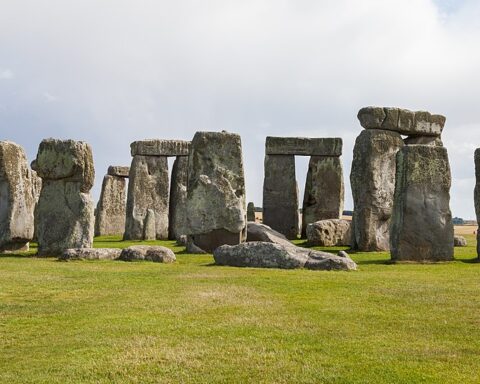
x=193, y=322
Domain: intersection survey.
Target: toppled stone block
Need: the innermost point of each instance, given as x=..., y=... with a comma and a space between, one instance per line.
x=118, y=170
x=459, y=241
x=160, y=148
x=303, y=146
x=329, y=233
x=157, y=254
x=91, y=254
x=422, y=228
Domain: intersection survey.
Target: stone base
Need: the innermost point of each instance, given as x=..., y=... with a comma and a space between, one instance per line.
x=208, y=242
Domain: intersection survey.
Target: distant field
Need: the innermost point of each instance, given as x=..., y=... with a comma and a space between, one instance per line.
x=194, y=322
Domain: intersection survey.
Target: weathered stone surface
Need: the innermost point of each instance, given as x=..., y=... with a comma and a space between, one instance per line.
x=424, y=140
x=329, y=233
x=373, y=184
x=262, y=232
x=149, y=232
x=178, y=199
x=251, y=212
x=37, y=188
x=17, y=198
x=110, y=214
x=148, y=188
x=280, y=195
x=118, y=170
x=156, y=254
x=303, y=146
x=271, y=255
x=216, y=191
x=160, y=148
x=66, y=160
x=91, y=254
x=459, y=241
x=477, y=196
x=324, y=191
x=422, y=228
x=402, y=121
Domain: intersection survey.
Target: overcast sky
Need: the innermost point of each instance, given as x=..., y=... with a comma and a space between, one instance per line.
x=113, y=71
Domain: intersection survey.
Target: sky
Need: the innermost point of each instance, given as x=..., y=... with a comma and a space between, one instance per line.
x=114, y=71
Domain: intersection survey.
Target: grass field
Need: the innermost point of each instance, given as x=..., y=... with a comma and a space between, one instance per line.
x=193, y=322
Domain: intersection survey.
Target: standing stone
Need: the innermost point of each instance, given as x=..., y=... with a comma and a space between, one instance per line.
x=17, y=198
x=251, y=212
x=147, y=189
x=422, y=228
x=110, y=217
x=477, y=196
x=149, y=232
x=178, y=199
x=280, y=195
x=373, y=184
x=64, y=216
x=216, y=191
x=324, y=191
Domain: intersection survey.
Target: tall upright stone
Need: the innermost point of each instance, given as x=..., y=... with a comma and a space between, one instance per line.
x=477, y=195
x=324, y=190
x=64, y=217
x=280, y=195
x=216, y=191
x=251, y=212
x=110, y=217
x=372, y=180
x=178, y=199
x=17, y=198
x=422, y=228
x=148, y=188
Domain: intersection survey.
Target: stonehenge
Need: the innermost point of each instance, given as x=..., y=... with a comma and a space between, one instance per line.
x=216, y=203
x=373, y=171
x=329, y=233
x=64, y=217
x=148, y=187
x=324, y=190
x=178, y=199
x=422, y=228
x=18, y=196
x=250, y=212
x=110, y=213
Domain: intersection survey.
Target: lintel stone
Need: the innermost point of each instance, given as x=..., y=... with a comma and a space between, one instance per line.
x=303, y=146
x=160, y=148
x=118, y=170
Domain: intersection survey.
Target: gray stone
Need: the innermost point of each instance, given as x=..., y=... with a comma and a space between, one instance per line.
x=262, y=232
x=110, y=214
x=324, y=191
x=251, y=212
x=149, y=232
x=160, y=148
x=148, y=188
x=303, y=146
x=91, y=254
x=402, y=121
x=64, y=216
x=178, y=199
x=271, y=255
x=459, y=241
x=118, y=170
x=424, y=140
x=157, y=254
x=17, y=198
x=216, y=191
x=477, y=196
x=329, y=233
x=373, y=184
x=422, y=228
x=280, y=195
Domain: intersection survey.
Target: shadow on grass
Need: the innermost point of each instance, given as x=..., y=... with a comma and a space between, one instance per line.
x=17, y=255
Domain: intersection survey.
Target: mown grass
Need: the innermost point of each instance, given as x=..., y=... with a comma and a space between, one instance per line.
x=193, y=322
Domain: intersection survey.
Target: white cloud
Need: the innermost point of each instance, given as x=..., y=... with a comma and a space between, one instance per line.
x=128, y=70
x=6, y=74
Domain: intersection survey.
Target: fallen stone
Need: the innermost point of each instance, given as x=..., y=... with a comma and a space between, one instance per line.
x=91, y=254
x=148, y=188
x=372, y=179
x=262, y=232
x=270, y=255
x=324, y=191
x=280, y=195
x=251, y=212
x=157, y=254
x=17, y=198
x=329, y=233
x=119, y=171
x=303, y=146
x=216, y=191
x=111, y=208
x=402, y=121
x=160, y=148
x=422, y=228
x=459, y=241
x=178, y=199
